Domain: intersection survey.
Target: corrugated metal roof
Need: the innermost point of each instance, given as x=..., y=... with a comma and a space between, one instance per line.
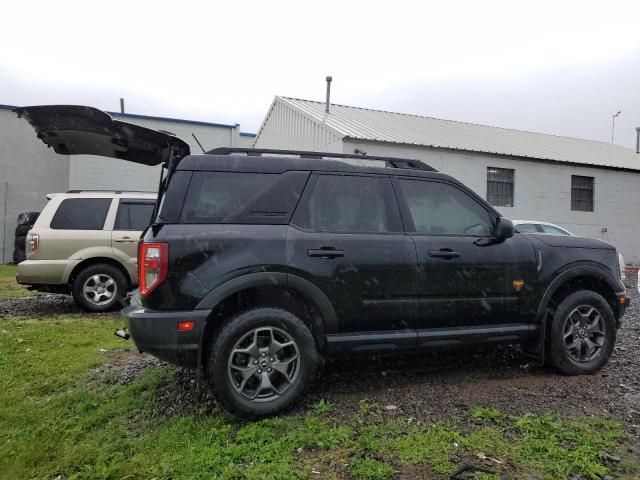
x=383, y=126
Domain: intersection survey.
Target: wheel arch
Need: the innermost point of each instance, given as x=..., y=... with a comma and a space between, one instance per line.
x=583, y=277
x=274, y=289
x=97, y=260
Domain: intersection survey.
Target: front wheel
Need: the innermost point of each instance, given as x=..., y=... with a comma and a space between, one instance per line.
x=583, y=333
x=261, y=362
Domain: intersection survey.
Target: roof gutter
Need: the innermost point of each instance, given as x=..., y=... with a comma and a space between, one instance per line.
x=495, y=154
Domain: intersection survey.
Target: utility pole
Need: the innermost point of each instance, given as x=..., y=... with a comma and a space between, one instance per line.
x=613, y=124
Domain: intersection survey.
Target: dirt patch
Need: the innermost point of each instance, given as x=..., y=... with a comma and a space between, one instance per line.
x=176, y=395
x=123, y=366
x=181, y=396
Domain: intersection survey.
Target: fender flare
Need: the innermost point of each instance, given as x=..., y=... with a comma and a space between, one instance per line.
x=573, y=272
x=541, y=316
x=270, y=279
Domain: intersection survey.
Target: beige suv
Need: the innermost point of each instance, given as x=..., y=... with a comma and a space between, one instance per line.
x=85, y=242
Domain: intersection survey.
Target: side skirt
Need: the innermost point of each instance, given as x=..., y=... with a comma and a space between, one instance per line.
x=430, y=339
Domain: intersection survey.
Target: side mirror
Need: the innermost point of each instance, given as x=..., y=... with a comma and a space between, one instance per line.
x=504, y=229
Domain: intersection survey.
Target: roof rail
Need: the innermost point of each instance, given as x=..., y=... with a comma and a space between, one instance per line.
x=117, y=192
x=393, y=162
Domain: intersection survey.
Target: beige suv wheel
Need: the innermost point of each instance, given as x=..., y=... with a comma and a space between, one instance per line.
x=99, y=288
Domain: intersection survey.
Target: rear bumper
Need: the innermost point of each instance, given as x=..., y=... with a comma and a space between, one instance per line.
x=156, y=332
x=43, y=272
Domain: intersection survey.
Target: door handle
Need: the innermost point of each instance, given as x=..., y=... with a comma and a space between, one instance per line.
x=445, y=253
x=124, y=240
x=325, y=252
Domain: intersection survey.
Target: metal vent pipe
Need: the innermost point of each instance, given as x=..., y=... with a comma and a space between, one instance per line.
x=326, y=109
x=637, y=139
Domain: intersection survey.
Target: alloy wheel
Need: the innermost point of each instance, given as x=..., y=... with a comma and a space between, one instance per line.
x=263, y=364
x=99, y=289
x=584, y=333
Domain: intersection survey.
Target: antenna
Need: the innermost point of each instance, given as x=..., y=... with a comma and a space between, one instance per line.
x=199, y=144
x=613, y=124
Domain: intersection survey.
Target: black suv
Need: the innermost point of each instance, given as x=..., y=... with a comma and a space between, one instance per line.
x=259, y=263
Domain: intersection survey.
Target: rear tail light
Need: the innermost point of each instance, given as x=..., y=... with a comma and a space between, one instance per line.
x=33, y=243
x=153, y=264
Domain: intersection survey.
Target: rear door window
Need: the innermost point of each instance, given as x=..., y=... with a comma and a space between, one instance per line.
x=81, y=214
x=345, y=203
x=133, y=215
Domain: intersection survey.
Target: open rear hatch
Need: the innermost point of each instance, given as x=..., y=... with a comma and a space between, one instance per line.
x=77, y=130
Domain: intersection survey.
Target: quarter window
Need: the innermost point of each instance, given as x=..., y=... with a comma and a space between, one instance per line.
x=213, y=197
x=81, y=214
x=345, y=204
x=438, y=208
x=500, y=186
x=581, y=193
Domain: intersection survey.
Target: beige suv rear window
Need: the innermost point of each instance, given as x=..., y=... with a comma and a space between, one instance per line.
x=81, y=214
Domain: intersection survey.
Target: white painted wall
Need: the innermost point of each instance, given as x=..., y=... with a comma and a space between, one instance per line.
x=542, y=191
x=284, y=127
x=28, y=171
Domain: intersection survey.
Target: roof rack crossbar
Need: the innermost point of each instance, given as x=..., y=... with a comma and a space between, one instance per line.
x=393, y=162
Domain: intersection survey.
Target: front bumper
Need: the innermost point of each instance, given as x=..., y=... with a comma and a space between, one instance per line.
x=156, y=332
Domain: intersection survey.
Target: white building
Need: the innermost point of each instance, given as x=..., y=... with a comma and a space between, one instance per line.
x=591, y=188
x=29, y=170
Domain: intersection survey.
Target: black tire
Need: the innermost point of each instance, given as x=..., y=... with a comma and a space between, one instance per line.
x=19, y=255
x=28, y=218
x=97, y=277
x=219, y=373
x=20, y=242
x=569, y=332
x=22, y=230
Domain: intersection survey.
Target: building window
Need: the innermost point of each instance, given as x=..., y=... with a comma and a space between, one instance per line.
x=500, y=186
x=581, y=193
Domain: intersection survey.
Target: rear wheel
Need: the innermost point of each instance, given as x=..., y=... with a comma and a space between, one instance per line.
x=261, y=362
x=99, y=288
x=583, y=333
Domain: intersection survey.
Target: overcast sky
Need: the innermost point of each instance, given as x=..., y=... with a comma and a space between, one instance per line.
x=557, y=67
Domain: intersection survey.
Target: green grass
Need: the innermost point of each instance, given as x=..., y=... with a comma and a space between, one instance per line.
x=370, y=469
x=8, y=285
x=60, y=418
x=486, y=413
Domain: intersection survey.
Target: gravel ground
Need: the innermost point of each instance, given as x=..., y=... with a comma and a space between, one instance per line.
x=429, y=386
x=39, y=306
x=445, y=385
